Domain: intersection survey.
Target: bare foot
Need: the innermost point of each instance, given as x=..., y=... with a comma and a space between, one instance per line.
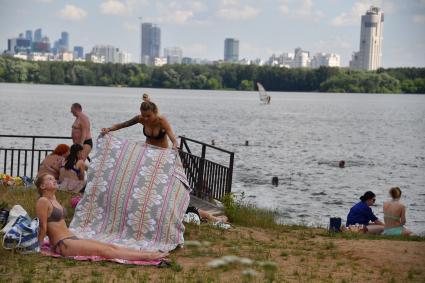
x=221, y=218
x=155, y=255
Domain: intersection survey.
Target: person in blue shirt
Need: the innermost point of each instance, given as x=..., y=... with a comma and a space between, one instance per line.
x=362, y=214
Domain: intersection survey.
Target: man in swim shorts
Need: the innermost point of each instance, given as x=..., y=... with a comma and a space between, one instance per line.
x=81, y=133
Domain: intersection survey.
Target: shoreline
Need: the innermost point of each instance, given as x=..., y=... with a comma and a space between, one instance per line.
x=277, y=253
x=209, y=90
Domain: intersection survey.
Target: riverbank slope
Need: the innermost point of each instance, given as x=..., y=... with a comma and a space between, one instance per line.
x=279, y=253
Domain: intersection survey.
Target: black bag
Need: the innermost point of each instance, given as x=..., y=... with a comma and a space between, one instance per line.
x=335, y=224
x=4, y=215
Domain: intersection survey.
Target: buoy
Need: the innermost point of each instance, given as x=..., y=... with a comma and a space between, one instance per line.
x=246, y=143
x=341, y=164
x=275, y=181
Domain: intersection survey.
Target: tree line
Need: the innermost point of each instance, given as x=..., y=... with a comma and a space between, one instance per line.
x=218, y=76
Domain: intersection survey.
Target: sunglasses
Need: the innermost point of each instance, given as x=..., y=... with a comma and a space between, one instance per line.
x=374, y=199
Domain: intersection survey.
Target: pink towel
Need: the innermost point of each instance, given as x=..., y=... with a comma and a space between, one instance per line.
x=46, y=251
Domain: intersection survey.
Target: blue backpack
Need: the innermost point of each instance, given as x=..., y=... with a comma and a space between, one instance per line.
x=23, y=236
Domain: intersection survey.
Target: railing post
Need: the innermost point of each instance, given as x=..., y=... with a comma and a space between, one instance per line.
x=19, y=162
x=200, y=182
x=181, y=143
x=5, y=161
x=230, y=174
x=11, y=162
x=32, y=157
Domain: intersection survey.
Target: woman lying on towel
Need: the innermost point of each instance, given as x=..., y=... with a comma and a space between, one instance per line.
x=51, y=215
x=395, y=215
x=155, y=127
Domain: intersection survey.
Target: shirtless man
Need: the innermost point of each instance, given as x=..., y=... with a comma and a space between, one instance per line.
x=81, y=129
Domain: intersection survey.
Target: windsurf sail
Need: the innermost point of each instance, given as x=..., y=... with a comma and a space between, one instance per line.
x=264, y=97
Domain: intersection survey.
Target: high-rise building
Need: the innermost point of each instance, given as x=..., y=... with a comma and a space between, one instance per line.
x=41, y=46
x=78, y=52
x=109, y=52
x=325, y=59
x=38, y=35
x=16, y=45
x=174, y=55
x=369, y=56
x=301, y=58
x=64, y=40
x=231, y=50
x=151, y=43
x=28, y=35
x=123, y=57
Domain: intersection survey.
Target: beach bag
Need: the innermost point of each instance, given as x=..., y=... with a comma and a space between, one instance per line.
x=335, y=224
x=14, y=213
x=4, y=215
x=22, y=236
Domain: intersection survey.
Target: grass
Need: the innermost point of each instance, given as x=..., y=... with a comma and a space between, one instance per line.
x=280, y=253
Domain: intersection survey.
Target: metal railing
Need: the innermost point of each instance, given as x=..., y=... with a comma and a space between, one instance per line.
x=24, y=161
x=207, y=178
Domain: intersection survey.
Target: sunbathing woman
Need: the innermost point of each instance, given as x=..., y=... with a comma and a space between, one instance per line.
x=395, y=215
x=53, y=162
x=51, y=215
x=155, y=127
x=72, y=173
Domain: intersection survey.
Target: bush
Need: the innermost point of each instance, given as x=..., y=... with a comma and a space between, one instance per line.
x=247, y=214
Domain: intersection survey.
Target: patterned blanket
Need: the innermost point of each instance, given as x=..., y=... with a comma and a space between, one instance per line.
x=136, y=196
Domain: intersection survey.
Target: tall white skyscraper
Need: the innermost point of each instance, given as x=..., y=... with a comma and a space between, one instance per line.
x=369, y=56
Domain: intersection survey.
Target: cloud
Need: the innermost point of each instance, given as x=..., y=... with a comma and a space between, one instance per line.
x=234, y=10
x=113, y=7
x=353, y=17
x=120, y=8
x=180, y=12
x=419, y=19
x=72, y=13
x=43, y=1
x=304, y=11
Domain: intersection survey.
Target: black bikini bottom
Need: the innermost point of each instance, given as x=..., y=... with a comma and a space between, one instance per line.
x=61, y=242
x=89, y=142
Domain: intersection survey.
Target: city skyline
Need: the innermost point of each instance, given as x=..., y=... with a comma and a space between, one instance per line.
x=199, y=27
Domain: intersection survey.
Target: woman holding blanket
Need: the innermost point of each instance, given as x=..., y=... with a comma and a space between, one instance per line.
x=155, y=127
x=51, y=215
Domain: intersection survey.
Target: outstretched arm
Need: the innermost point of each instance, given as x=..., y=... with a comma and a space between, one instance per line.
x=41, y=209
x=169, y=132
x=131, y=122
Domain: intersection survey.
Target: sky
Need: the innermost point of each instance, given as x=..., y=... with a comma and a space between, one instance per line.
x=199, y=27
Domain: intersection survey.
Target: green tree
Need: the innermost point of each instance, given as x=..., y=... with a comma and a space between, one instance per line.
x=246, y=85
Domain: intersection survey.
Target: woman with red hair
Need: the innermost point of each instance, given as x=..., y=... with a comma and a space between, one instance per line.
x=53, y=162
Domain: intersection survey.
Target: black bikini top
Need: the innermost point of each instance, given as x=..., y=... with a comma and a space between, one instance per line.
x=57, y=214
x=161, y=134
